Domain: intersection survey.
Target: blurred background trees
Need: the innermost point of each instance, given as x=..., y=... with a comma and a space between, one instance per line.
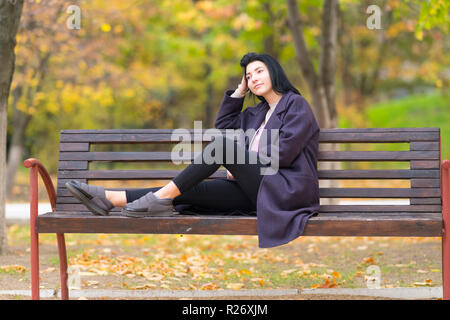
x=164, y=64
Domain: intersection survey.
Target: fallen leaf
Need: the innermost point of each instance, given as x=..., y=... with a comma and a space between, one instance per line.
x=145, y=286
x=336, y=274
x=235, y=286
x=209, y=286
x=13, y=267
x=422, y=271
x=152, y=276
x=47, y=270
x=259, y=280
x=368, y=260
x=285, y=273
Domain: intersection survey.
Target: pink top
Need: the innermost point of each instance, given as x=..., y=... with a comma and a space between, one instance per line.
x=255, y=142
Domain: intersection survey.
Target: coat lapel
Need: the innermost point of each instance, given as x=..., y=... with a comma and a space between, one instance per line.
x=259, y=114
x=275, y=120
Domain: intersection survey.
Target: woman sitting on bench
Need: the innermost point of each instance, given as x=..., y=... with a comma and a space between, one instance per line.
x=282, y=202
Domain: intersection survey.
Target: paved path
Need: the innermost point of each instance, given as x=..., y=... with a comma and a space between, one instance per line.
x=21, y=211
x=395, y=293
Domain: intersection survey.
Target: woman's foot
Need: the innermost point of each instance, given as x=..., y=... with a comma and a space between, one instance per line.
x=149, y=206
x=93, y=197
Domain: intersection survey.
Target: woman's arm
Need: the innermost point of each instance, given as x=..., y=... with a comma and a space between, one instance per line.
x=229, y=115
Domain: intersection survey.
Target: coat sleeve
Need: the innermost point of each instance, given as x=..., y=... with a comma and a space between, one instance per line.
x=298, y=128
x=229, y=115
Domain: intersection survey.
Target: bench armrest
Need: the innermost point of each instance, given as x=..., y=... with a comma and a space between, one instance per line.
x=446, y=164
x=36, y=166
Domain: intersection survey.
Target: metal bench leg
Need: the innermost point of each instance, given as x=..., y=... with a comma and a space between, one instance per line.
x=34, y=236
x=446, y=265
x=62, y=265
x=445, y=189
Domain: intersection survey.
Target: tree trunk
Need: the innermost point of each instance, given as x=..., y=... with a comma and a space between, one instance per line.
x=321, y=85
x=10, y=12
x=209, y=103
x=20, y=122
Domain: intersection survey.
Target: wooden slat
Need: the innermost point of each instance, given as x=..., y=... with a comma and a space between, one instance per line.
x=74, y=146
x=169, y=174
x=378, y=174
x=73, y=165
x=420, y=201
x=397, y=225
x=425, y=183
x=363, y=137
x=377, y=155
x=128, y=174
x=337, y=130
x=61, y=188
x=380, y=208
x=424, y=146
x=128, y=138
x=72, y=204
x=351, y=224
x=125, y=156
x=326, y=135
x=322, y=156
x=388, y=193
x=424, y=164
x=378, y=192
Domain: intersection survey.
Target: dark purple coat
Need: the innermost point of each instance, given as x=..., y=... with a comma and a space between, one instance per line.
x=287, y=199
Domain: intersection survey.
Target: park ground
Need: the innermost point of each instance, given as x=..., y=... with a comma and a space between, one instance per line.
x=202, y=262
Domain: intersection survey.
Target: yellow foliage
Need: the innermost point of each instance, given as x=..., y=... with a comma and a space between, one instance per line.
x=105, y=27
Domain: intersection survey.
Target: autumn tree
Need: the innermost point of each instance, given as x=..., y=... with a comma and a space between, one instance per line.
x=10, y=12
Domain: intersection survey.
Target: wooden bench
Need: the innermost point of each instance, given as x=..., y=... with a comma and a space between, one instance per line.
x=424, y=216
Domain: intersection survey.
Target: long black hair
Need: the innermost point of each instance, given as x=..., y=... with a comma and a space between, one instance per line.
x=280, y=82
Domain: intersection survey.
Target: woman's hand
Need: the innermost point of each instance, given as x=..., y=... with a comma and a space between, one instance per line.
x=242, y=87
x=229, y=176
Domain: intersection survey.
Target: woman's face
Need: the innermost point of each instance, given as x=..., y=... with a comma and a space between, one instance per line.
x=258, y=78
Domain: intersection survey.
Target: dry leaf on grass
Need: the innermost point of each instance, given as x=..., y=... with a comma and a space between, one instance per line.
x=235, y=286
x=13, y=267
x=209, y=286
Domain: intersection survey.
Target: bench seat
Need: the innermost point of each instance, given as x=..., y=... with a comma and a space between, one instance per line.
x=419, y=224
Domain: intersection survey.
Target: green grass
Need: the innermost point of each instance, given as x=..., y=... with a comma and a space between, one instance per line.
x=415, y=111
x=426, y=110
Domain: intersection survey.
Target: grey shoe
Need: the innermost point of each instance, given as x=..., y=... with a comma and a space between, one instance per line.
x=149, y=206
x=93, y=197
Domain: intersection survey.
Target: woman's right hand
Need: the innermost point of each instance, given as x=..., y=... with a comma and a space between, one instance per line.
x=242, y=87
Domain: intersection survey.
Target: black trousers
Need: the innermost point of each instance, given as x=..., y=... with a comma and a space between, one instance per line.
x=218, y=194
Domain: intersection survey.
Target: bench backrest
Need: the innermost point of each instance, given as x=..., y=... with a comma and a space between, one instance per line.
x=416, y=166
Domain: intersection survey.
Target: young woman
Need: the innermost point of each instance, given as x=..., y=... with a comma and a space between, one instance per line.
x=283, y=202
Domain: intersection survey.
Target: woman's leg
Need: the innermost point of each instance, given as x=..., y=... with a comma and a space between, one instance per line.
x=248, y=176
x=219, y=194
